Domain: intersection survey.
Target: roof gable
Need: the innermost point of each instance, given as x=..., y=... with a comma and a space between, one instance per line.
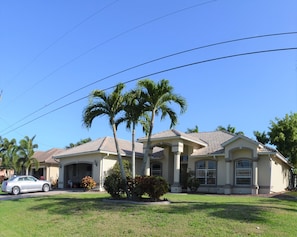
x=47, y=156
x=240, y=137
x=174, y=134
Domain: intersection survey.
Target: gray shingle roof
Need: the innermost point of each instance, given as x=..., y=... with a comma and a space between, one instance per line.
x=47, y=156
x=214, y=142
x=105, y=145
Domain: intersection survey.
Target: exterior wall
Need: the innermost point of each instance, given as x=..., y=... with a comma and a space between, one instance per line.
x=52, y=174
x=264, y=165
x=93, y=159
x=221, y=172
x=279, y=176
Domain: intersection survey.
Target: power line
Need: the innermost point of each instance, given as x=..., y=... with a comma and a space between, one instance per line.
x=159, y=72
x=111, y=39
x=148, y=62
x=61, y=37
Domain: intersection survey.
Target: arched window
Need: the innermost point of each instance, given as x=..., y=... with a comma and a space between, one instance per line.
x=243, y=172
x=206, y=172
x=156, y=169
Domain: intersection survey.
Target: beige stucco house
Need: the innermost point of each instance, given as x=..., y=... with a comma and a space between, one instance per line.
x=224, y=163
x=48, y=166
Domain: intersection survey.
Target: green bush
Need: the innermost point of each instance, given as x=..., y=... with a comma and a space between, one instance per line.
x=193, y=184
x=113, y=184
x=154, y=186
x=116, y=169
x=135, y=187
x=88, y=183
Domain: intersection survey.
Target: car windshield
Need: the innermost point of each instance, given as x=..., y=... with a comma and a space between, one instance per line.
x=12, y=178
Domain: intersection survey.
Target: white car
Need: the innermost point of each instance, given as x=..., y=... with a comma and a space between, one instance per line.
x=24, y=184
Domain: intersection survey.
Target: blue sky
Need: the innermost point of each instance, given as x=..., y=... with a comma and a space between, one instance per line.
x=50, y=49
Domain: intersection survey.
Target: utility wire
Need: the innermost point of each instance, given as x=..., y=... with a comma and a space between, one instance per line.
x=60, y=38
x=148, y=62
x=159, y=72
x=111, y=39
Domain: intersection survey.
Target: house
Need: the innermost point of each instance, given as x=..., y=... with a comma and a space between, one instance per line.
x=48, y=166
x=224, y=163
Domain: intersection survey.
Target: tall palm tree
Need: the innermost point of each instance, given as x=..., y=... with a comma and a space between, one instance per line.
x=110, y=105
x=134, y=114
x=26, y=152
x=157, y=97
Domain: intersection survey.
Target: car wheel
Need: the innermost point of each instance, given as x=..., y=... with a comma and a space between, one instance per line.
x=16, y=190
x=45, y=188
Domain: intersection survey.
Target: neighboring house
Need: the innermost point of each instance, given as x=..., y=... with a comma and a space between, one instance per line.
x=48, y=166
x=224, y=163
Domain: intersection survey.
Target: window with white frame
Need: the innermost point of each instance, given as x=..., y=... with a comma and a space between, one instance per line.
x=156, y=169
x=206, y=172
x=243, y=172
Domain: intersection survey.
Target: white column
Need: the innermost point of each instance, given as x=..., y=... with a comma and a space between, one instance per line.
x=177, y=149
x=255, y=186
x=228, y=186
x=61, y=176
x=228, y=164
x=176, y=167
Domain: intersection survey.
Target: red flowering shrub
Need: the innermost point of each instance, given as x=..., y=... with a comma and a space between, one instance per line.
x=88, y=183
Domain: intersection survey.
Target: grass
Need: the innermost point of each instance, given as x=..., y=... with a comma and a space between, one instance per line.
x=86, y=214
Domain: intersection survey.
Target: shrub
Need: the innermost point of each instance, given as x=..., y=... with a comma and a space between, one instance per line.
x=113, y=184
x=116, y=169
x=135, y=187
x=88, y=183
x=193, y=184
x=154, y=186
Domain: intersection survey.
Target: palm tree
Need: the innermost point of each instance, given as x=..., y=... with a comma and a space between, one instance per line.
x=12, y=159
x=110, y=105
x=26, y=152
x=8, y=154
x=193, y=130
x=134, y=113
x=261, y=137
x=157, y=97
x=229, y=129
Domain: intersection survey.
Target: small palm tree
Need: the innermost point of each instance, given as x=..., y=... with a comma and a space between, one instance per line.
x=229, y=129
x=157, y=97
x=111, y=106
x=8, y=154
x=193, y=130
x=26, y=152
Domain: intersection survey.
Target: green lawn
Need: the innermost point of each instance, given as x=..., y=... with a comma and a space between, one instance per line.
x=188, y=215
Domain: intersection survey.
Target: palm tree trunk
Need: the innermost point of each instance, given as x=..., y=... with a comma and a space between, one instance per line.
x=124, y=178
x=133, y=151
x=148, y=146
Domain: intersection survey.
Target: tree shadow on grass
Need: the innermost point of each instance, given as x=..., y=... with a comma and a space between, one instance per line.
x=80, y=206
x=244, y=212
x=74, y=205
x=232, y=211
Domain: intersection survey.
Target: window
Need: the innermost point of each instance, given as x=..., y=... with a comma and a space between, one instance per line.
x=243, y=172
x=156, y=169
x=206, y=172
